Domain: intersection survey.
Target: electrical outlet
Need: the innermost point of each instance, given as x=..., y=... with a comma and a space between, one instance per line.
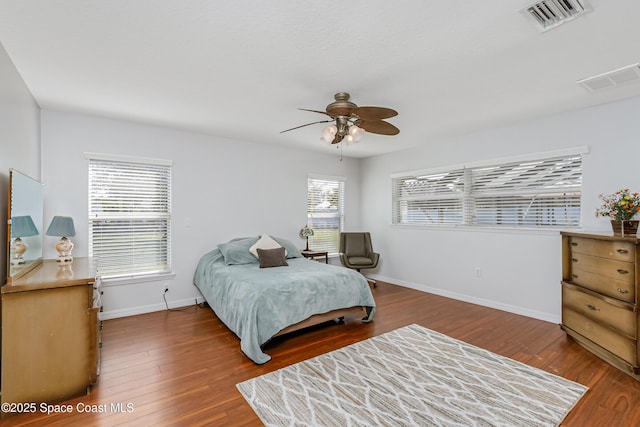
x=478, y=272
x=166, y=288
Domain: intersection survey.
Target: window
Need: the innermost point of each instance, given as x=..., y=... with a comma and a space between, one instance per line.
x=538, y=191
x=129, y=215
x=325, y=212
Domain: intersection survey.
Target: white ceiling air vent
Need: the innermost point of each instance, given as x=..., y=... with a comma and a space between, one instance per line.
x=548, y=14
x=622, y=75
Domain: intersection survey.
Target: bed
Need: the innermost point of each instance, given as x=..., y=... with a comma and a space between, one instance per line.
x=258, y=301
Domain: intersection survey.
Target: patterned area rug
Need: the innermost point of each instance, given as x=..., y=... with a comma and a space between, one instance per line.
x=411, y=377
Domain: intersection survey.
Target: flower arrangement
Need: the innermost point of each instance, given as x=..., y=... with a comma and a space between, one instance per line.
x=621, y=205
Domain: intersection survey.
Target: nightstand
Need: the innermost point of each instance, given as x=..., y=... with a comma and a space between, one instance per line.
x=316, y=254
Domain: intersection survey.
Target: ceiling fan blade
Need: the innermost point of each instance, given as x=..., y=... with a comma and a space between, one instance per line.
x=333, y=116
x=308, y=124
x=378, y=126
x=374, y=113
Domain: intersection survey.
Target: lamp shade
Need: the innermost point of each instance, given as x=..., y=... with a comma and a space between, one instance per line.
x=61, y=226
x=306, y=232
x=23, y=226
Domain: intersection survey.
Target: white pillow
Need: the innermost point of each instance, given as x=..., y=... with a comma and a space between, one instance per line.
x=265, y=242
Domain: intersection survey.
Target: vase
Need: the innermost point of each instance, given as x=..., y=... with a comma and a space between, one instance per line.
x=625, y=227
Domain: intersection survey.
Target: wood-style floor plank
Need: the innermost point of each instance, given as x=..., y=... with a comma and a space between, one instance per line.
x=180, y=368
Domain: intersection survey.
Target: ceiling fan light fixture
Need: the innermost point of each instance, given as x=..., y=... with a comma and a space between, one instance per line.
x=326, y=138
x=331, y=129
x=329, y=133
x=356, y=133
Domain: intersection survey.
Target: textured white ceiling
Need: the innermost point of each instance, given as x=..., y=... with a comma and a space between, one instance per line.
x=241, y=69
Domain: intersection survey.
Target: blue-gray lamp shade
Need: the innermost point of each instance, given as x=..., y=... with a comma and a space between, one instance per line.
x=61, y=226
x=23, y=226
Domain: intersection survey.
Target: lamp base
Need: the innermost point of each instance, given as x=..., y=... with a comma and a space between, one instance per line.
x=64, y=248
x=16, y=251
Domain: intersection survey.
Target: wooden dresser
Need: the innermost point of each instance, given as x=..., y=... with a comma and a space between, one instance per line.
x=600, y=296
x=50, y=333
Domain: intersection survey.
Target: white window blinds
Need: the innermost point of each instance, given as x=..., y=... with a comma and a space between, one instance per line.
x=325, y=212
x=435, y=198
x=535, y=193
x=130, y=216
x=542, y=192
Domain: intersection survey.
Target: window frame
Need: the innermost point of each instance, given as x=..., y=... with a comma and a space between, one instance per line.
x=466, y=213
x=160, y=215
x=333, y=248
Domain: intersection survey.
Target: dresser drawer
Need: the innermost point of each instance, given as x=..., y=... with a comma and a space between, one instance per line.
x=607, y=338
x=620, y=288
x=612, y=278
x=614, y=314
x=621, y=251
x=593, y=272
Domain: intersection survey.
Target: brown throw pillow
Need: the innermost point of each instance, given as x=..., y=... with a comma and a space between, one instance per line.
x=272, y=258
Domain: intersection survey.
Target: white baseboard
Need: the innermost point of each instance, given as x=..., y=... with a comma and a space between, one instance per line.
x=132, y=311
x=547, y=317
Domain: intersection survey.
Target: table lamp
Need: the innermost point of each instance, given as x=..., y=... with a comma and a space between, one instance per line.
x=21, y=226
x=62, y=226
x=305, y=233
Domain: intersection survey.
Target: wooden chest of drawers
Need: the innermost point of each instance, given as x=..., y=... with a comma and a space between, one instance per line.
x=50, y=338
x=599, y=296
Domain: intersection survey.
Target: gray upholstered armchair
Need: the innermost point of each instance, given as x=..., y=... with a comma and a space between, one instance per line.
x=356, y=252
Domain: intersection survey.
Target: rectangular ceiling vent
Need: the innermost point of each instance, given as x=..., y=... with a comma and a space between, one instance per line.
x=630, y=73
x=548, y=14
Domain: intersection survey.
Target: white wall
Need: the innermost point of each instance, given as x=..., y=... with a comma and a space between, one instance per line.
x=19, y=138
x=223, y=188
x=226, y=188
x=520, y=270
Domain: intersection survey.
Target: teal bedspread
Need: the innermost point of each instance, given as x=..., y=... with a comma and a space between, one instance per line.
x=256, y=303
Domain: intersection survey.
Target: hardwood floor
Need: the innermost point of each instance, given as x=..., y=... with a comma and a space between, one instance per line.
x=179, y=368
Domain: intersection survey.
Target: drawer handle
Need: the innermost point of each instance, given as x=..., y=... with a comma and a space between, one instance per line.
x=623, y=251
x=623, y=291
x=592, y=307
x=574, y=244
x=621, y=271
x=574, y=260
x=575, y=276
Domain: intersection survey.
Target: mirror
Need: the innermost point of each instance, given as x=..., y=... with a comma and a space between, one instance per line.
x=24, y=227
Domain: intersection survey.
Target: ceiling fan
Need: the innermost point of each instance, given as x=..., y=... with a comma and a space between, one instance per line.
x=351, y=121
